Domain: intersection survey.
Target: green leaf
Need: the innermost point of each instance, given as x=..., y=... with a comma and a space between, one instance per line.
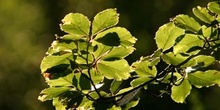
x=61, y=47
x=118, y=69
x=104, y=19
x=81, y=82
x=199, y=61
x=154, y=59
x=62, y=81
x=208, y=32
x=51, y=61
x=207, y=60
x=218, y=18
x=131, y=104
x=72, y=37
x=114, y=107
x=139, y=81
x=52, y=92
x=175, y=76
x=115, y=86
x=76, y=23
x=173, y=59
x=95, y=95
x=187, y=23
x=58, y=105
x=86, y=104
x=179, y=93
x=214, y=7
x=207, y=78
x=101, y=50
x=203, y=14
x=119, y=52
x=143, y=69
x=96, y=77
x=166, y=35
x=108, y=52
x=125, y=37
x=189, y=43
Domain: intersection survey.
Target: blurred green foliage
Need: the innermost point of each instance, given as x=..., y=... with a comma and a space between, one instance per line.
x=27, y=28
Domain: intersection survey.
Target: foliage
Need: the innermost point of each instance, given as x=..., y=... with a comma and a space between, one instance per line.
x=87, y=69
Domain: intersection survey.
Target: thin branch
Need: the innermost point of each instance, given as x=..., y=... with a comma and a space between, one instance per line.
x=112, y=98
x=89, y=67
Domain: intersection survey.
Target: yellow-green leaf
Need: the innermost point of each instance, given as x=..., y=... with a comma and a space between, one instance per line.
x=118, y=69
x=189, y=43
x=214, y=7
x=76, y=23
x=187, y=23
x=203, y=14
x=207, y=78
x=166, y=36
x=104, y=19
x=179, y=93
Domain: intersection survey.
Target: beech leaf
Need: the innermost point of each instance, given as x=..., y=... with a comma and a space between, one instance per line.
x=118, y=69
x=76, y=23
x=166, y=36
x=179, y=93
x=104, y=19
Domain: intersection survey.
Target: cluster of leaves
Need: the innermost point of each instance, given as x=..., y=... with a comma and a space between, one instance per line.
x=86, y=69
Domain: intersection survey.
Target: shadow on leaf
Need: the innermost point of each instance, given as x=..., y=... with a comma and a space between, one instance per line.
x=110, y=39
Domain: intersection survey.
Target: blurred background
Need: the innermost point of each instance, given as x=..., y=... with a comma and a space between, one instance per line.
x=27, y=28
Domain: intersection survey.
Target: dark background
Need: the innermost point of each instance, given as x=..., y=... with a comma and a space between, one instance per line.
x=27, y=28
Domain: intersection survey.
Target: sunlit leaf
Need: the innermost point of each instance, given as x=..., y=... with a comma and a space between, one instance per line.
x=104, y=19
x=187, y=23
x=81, y=82
x=166, y=36
x=214, y=7
x=207, y=78
x=96, y=77
x=139, y=81
x=143, y=69
x=179, y=93
x=208, y=32
x=200, y=60
x=108, y=52
x=115, y=86
x=119, y=52
x=203, y=14
x=52, y=92
x=62, y=81
x=71, y=37
x=61, y=47
x=207, y=60
x=76, y=23
x=114, y=107
x=95, y=95
x=51, y=61
x=118, y=69
x=101, y=50
x=218, y=18
x=173, y=59
x=131, y=104
x=189, y=43
x=154, y=59
x=86, y=104
x=125, y=37
x=58, y=105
